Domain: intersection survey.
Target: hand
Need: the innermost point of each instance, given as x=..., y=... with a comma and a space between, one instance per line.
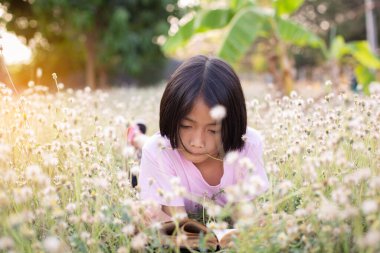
x=155, y=214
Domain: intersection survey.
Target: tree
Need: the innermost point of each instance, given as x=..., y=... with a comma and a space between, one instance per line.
x=245, y=21
x=361, y=52
x=113, y=34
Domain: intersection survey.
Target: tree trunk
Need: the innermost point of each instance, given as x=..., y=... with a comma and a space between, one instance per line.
x=103, y=78
x=286, y=69
x=335, y=73
x=90, y=61
x=371, y=25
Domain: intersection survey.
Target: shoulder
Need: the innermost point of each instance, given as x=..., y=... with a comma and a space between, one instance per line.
x=155, y=142
x=253, y=138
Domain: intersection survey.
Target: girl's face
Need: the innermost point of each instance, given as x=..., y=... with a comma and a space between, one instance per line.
x=200, y=135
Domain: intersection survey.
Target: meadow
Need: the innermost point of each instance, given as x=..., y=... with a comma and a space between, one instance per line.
x=66, y=168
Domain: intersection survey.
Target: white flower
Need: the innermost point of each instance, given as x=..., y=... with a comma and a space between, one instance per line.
x=174, y=181
x=328, y=83
x=101, y=182
x=140, y=140
x=218, y=112
x=247, y=209
x=31, y=84
x=139, y=241
x=284, y=187
x=328, y=211
x=49, y=160
x=122, y=250
x=300, y=212
x=128, y=151
x=231, y=157
x=179, y=216
x=87, y=89
x=85, y=235
x=213, y=210
x=181, y=238
x=52, y=244
x=357, y=176
x=369, y=206
x=341, y=195
x=39, y=72
x=282, y=239
x=135, y=170
x=33, y=171
x=128, y=229
x=254, y=185
x=4, y=199
x=371, y=239
x=6, y=243
x=110, y=132
x=4, y=151
x=70, y=208
x=60, y=86
x=23, y=194
x=245, y=162
x=120, y=120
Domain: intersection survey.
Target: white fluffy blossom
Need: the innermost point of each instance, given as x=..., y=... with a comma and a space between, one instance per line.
x=218, y=112
x=52, y=244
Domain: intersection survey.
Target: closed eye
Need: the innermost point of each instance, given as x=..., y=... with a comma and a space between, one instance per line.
x=184, y=126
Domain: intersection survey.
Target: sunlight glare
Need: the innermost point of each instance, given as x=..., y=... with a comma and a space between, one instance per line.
x=14, y=51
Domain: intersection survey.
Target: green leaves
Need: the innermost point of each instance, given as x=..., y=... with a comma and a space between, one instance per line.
x=245, y=22
x=295, y=34
x=243, y=30
x=212, y=19
x=363, y=54
x=204, y=21
x=338, y=48
x=365, y=76
x=285, y=7
x=180, y=38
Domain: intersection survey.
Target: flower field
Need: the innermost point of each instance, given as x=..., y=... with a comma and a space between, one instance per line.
x=65, y=174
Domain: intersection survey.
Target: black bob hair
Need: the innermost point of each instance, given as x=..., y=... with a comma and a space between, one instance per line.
x=217, y=83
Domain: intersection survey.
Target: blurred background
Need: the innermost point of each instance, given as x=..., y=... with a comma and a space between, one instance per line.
x=292, y=44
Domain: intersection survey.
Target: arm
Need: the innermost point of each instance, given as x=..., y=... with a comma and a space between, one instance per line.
x=154, y=180
x=162, y=213
x=173, y=210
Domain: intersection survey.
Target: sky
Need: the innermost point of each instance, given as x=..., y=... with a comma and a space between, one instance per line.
x=14, y=51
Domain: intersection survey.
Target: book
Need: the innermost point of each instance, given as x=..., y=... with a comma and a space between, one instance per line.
x=191, y=234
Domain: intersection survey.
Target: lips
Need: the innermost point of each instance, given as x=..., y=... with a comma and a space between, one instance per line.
x=196, y=154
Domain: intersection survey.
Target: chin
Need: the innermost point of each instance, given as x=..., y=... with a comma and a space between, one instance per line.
x=195, y=158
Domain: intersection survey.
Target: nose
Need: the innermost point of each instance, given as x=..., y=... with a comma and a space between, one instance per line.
x=197, y=140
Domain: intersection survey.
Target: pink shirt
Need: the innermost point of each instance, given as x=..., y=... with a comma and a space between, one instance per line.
x=159, y=165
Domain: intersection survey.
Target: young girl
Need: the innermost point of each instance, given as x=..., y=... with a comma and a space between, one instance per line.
x=190, y=149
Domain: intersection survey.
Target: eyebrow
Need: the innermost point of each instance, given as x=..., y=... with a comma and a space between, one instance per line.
x=189, y=119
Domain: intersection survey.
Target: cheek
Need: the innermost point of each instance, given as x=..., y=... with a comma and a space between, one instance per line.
x=183, y=135
x=184, y=138
x=214, y=142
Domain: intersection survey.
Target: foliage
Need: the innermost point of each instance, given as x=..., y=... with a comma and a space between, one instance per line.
x=366, y=61
x=245, y=22
x=117, y=36
x=339, y=17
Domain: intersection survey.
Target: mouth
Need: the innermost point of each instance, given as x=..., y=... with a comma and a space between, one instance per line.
x=192, y=153
x=196, y=154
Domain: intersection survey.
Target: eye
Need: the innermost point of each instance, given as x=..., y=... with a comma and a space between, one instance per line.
x=184, y=126
x=212, y=131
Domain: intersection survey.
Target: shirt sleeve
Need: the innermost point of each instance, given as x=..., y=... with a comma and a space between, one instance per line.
x=155, y=178
x=253, y=177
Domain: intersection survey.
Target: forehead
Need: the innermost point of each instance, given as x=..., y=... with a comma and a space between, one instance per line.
x=200, y=113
